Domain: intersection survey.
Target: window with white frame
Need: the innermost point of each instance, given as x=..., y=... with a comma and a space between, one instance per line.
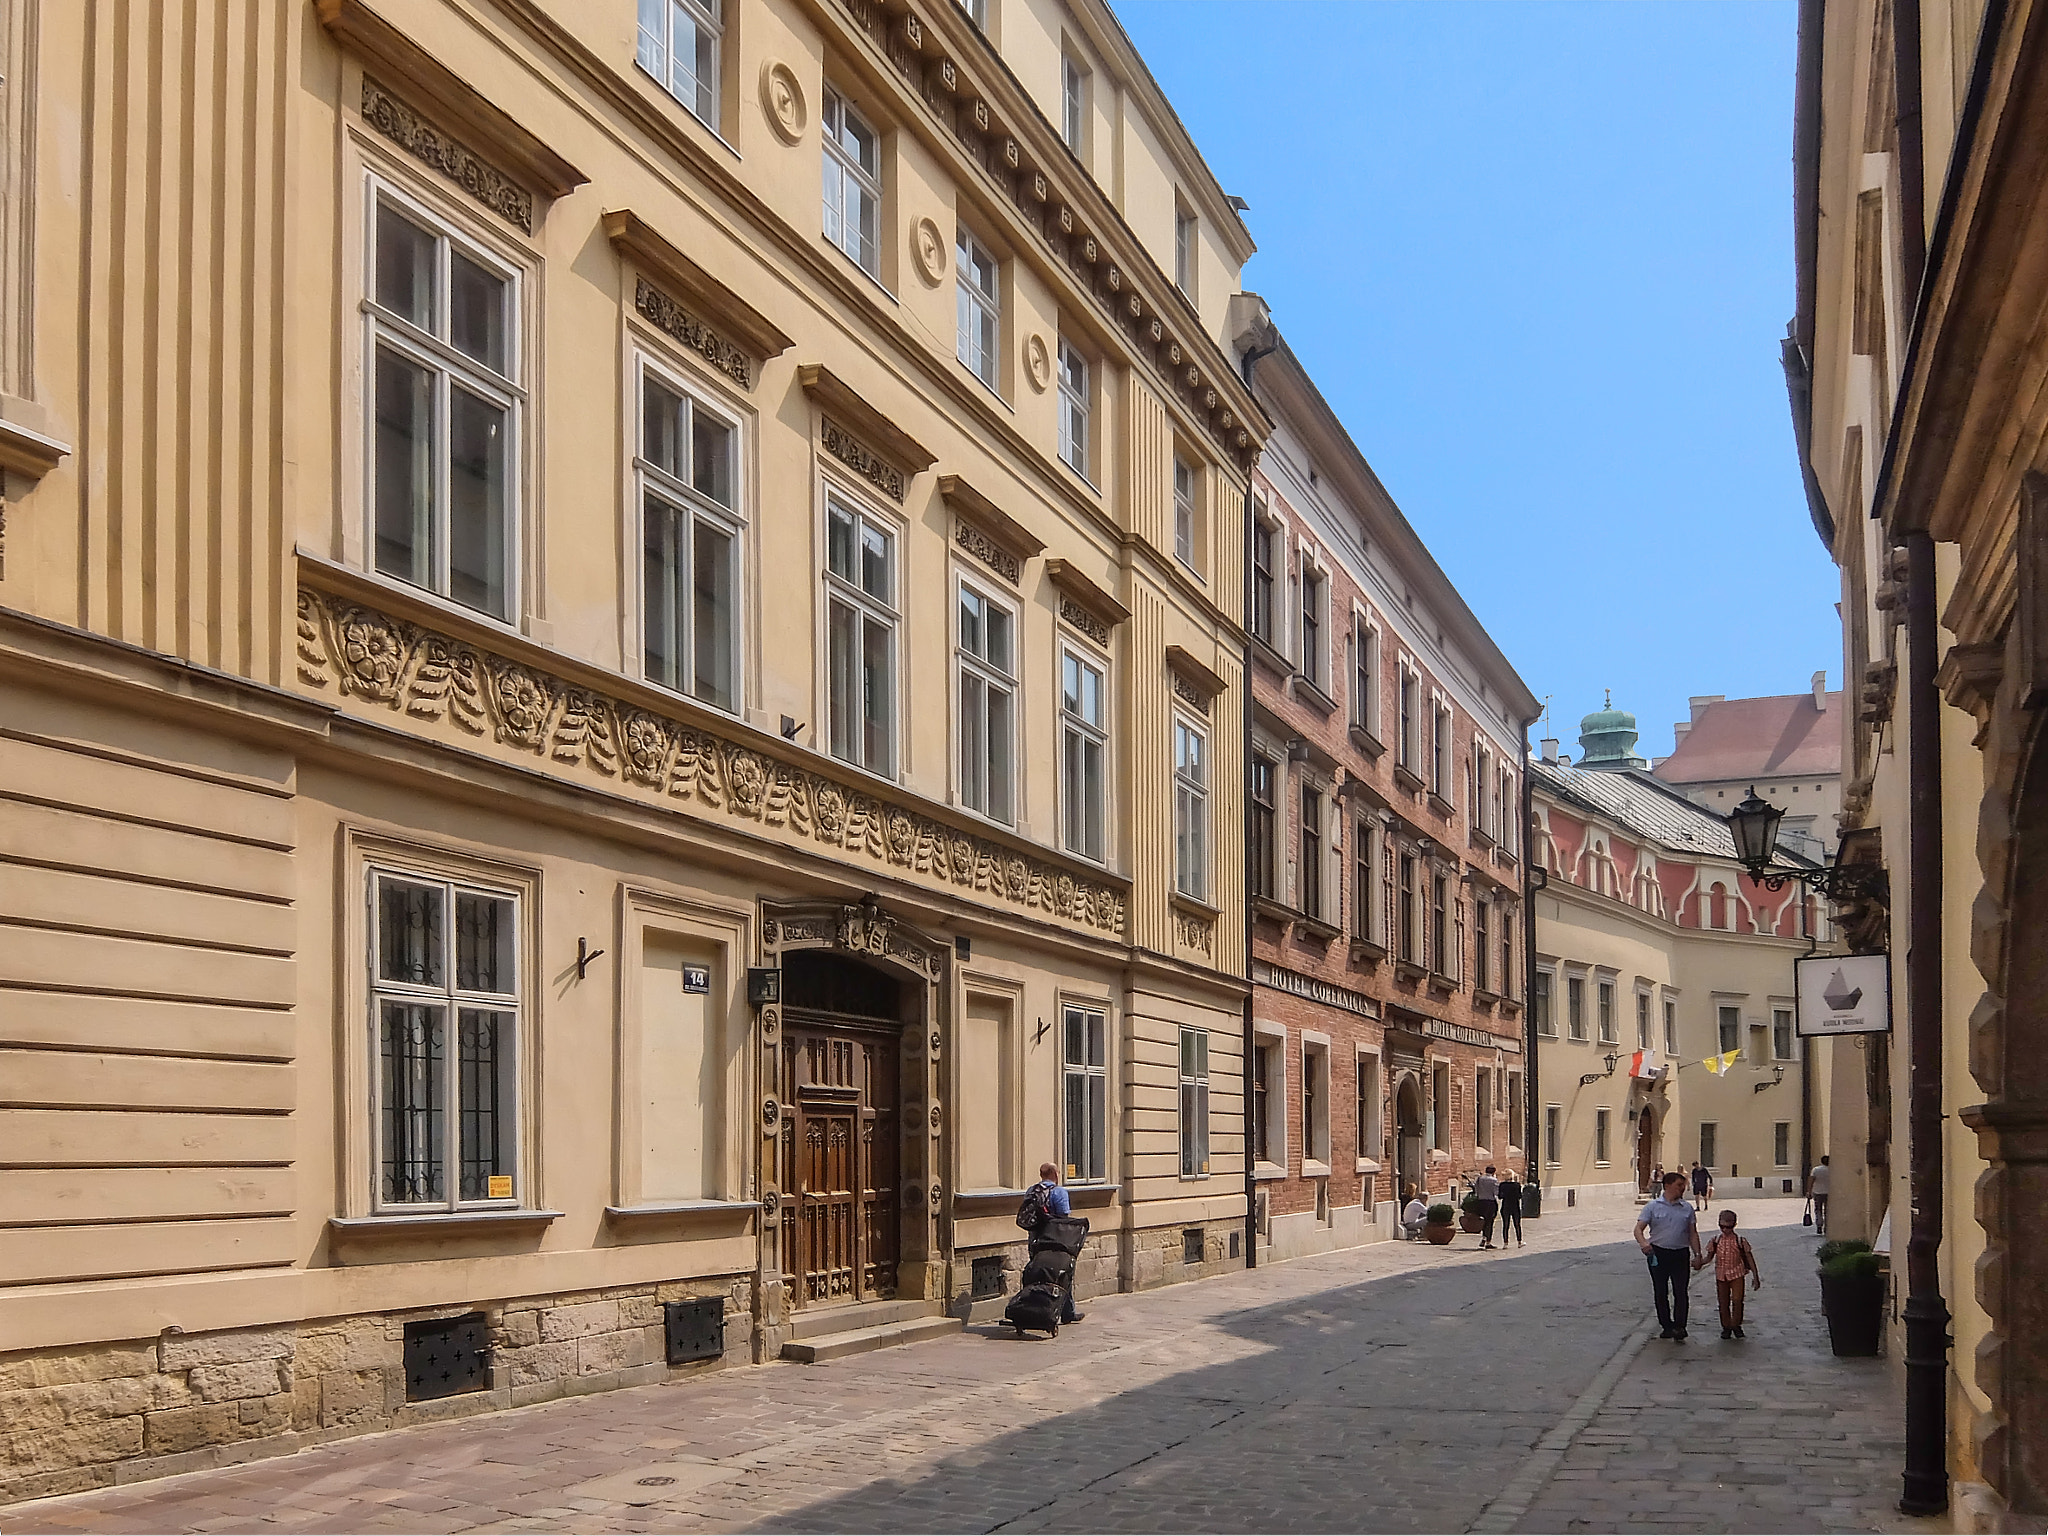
x=1184, y=488
x=1187, y=235
x=1553, y=1135
x=690, y=544
x=977, y=276
x=1729, y=1019
x=1265, y=826
x=1366, y=917
x=1511, y=1108
x=1443, y=958
x=853, y=183
x=1315, y=1102
x=1315, y=588
x=1086, y=1078
x=1504, y=983
x=1265, y=539
x=1440, y=1106
x=445, y=1010
x=1194, y=1103
x=445, y=410
x=1073, y=103
x=1510, y=812
x=1605, y=1004
x=860, y=637
x=1309, y=874
x=1781, y=1034
x=1440, y=751
x=1540, y=1002
x=1366, y=1110
x=1603, y=1125
x=1076, y=402
x=976, y=11
x=1084, y=752
x=1643, y=1040
x=1781, y=1144
x=987, y=722
x=1710, y=1137
x=1190, y=810
x=679, y=42
x=1670, y=1026
x=1575, y=1007
x=1269, y=1076
x=1482, y=944
x=1410, y=722
x=1410, y=924
x=1482, y=1108
x=1365, y=676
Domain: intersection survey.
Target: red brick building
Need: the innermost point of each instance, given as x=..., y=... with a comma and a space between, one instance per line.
x=1385, y=841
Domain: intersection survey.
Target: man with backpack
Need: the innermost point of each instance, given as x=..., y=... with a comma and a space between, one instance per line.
x=1042, y=1202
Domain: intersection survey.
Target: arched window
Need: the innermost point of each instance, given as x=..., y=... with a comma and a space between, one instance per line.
x=1717, y=906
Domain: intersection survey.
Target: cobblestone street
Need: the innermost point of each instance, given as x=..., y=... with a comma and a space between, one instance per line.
x=1396, y=1388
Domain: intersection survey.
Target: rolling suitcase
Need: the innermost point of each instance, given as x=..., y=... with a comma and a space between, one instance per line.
x=1036, y=1309
x=1053, y=1266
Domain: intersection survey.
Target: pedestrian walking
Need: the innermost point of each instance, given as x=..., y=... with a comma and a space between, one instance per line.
x=1665, y=1230
x=1656, y=1180
x=1510, y=1207
x=1702, y=1188
x=1487, y=1190
x=1052, y=1194
x=1414, y=1214
x=1817, y=1192
x=1734, y=1261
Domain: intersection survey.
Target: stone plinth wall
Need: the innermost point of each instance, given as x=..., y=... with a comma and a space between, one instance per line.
x=81, y=1418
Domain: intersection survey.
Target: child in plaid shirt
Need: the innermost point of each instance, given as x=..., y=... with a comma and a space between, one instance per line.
x=1734, y=1261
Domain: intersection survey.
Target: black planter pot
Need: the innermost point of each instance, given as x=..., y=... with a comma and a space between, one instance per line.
x=1854, y=1305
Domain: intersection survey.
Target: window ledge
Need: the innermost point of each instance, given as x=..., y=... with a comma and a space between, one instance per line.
x=1441, y=806
x=1365, y=949
x=29, y=453
x=1484, y=995
x=1443, y=983
x=1264, y=654
x=1366, y=742
x=1407, y=777
x=1311, y=1169
x=1409, y=969
x=1367, y=1165
x=1266, y=1170
x=1183, y=902
x=1315, y=928
x=1090, y=1194
x=1481, y=838
x=1306, y=689
x=684, y=1210
x=356, y=1237
x=1276, y=911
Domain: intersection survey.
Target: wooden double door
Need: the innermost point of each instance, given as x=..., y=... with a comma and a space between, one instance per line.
x=840, y=1086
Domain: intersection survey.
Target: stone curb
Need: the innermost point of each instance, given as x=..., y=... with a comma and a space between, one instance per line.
x=1514, y=1500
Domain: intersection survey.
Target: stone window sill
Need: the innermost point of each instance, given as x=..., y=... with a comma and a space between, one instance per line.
x=1311, y=1169
x=1366, y=742
x=1267, y=1170
x=1367, y=1165
x=357, y=1239
x=1306, y=689
x=683, y=1211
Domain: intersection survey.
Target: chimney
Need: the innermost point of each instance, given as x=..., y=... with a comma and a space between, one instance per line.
x=1820, y=690
x=1678, y=732
x=1549, y=747
x=1700, y=701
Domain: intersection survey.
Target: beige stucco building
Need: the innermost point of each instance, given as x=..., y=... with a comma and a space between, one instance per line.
x=620, y=688
x=1656, y=957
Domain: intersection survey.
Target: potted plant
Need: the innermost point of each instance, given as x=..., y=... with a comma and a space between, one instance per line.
x=1469, y=1219
x=1440, y=1224
x=1852, y=1285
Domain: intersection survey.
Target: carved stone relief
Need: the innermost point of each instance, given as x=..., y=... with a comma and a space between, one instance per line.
x=364, y=654
x=428, y=145
x=667, y=315
x=861, y=459
x=1037, y=362
x=928, y=250
x=985, y=549
x=782, y=101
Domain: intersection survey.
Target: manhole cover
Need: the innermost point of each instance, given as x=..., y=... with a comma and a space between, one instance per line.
x=654, y=1482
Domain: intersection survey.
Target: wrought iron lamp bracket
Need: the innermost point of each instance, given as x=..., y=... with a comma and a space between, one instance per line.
x=1834, y=882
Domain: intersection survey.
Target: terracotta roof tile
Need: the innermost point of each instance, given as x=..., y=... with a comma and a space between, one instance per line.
x=1780, y=736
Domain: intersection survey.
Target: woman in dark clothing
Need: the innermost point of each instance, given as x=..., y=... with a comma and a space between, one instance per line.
x=1510, y=1207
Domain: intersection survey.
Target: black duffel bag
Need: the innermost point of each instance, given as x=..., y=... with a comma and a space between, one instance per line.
x=1066, y=1233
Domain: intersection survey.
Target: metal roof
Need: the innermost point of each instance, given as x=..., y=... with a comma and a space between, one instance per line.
x=1645, y=807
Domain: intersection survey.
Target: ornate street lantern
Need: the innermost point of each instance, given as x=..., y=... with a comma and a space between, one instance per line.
x=1754, y=826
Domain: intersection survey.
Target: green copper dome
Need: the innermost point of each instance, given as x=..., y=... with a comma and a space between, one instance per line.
x=1607, y=739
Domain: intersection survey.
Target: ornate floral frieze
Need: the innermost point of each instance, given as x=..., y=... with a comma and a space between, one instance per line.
x=667, y=315
x=861, y=459
x=1190, y=695
x=428, y=145
x=986, y=550
x=1194, y=932
x=369, y=656
x=1088, y=623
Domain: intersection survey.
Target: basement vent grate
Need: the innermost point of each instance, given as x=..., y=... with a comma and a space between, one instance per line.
x=446, y=1357
x=988, y=1278
x=695, y=1329
x=1191, y=1243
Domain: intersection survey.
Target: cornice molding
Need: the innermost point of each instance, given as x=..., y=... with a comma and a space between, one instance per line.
x=437, y=92
x=987, y=532
x=659, y=258
x=844, y=404
x=485, y=690
x=1083, y=604
x=29, y=453
x=1192, y=670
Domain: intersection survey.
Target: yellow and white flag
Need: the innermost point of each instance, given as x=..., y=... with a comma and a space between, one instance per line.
x=1718, y=1065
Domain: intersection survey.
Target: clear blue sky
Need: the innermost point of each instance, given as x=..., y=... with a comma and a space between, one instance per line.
x=1539, y=258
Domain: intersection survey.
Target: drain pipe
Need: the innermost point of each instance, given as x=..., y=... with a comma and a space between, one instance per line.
x=1927, y=1317
x=1532, y=1127
x=1246, y=363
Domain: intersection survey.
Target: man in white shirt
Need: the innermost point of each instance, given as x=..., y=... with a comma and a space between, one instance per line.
x=1665, y=1229
x=1817, y=1192
x=1414, y=1214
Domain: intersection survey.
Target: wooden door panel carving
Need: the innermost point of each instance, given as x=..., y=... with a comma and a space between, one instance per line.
x=840, y=1083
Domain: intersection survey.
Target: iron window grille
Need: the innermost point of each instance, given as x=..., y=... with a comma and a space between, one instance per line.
x=444, y=969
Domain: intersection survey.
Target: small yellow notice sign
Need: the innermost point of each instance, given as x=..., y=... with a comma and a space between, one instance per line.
x=501, y=1186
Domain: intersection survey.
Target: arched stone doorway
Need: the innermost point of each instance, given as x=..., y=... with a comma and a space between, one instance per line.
x=1408, y=1149
x=851, y=1115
